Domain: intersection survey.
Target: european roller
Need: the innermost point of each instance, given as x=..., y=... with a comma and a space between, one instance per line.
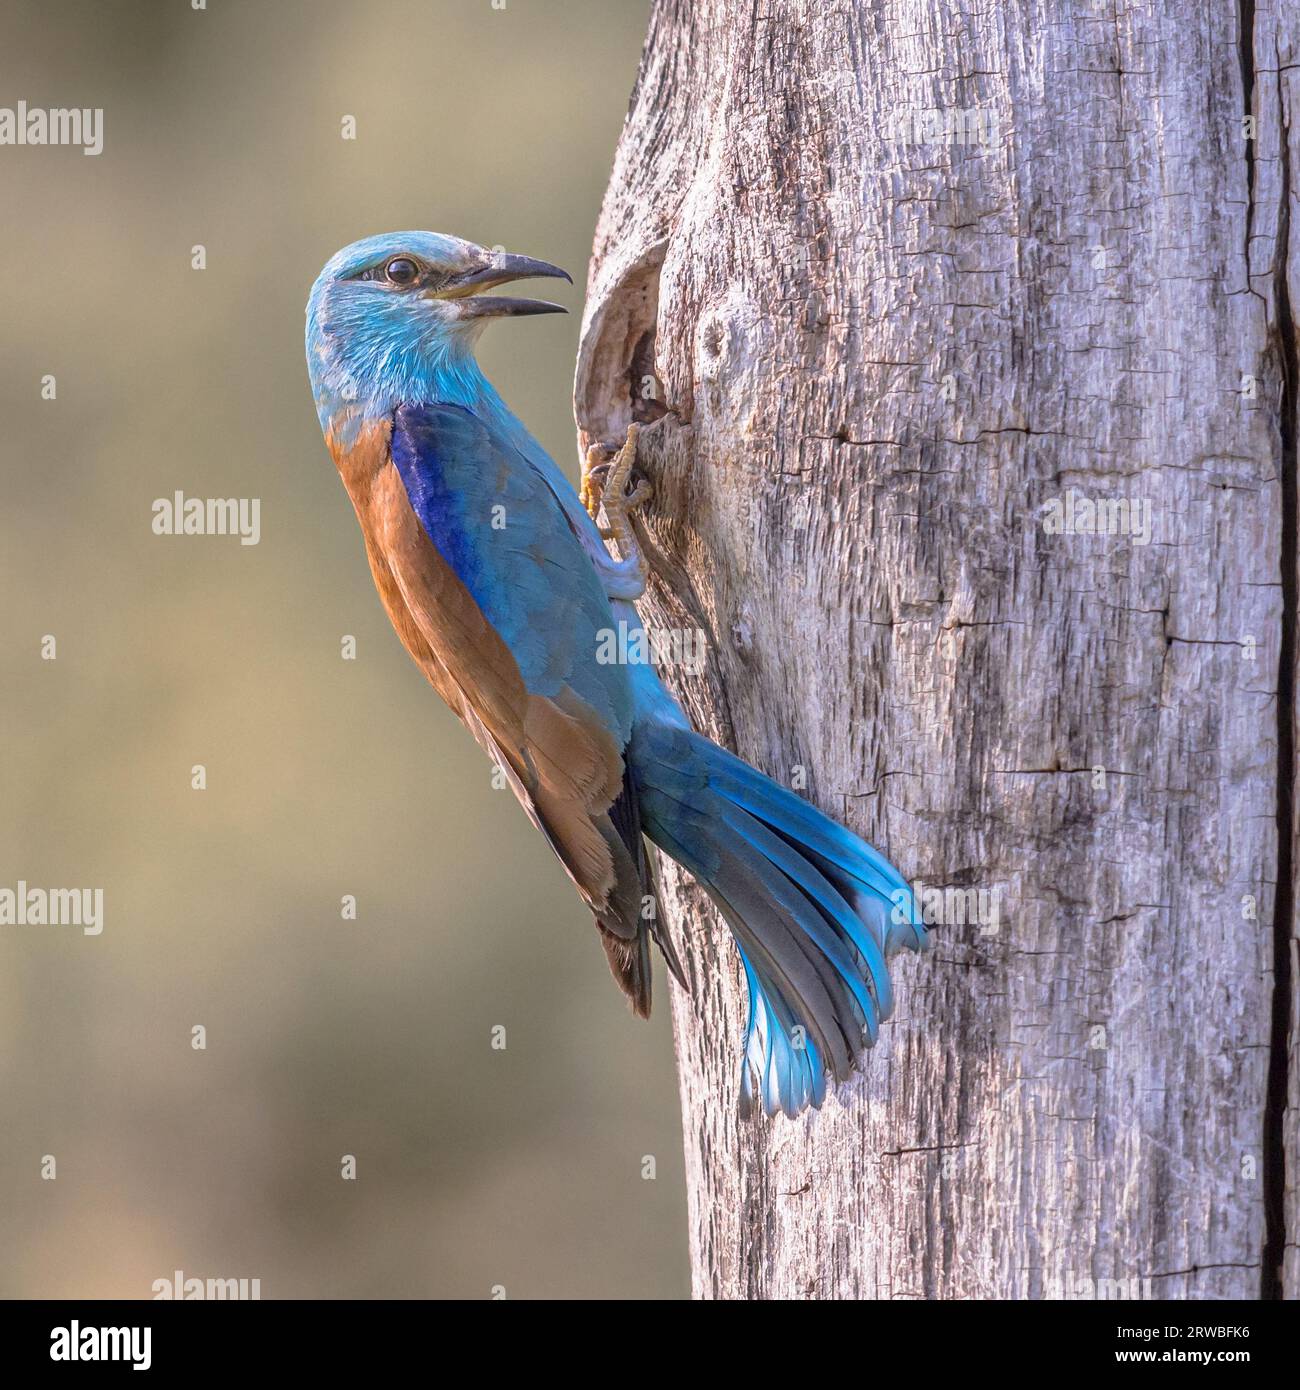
x=500, y=584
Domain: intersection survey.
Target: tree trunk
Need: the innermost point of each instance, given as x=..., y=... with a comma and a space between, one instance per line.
x=914, y=292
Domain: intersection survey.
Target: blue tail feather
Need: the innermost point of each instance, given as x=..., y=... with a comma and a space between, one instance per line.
x=774, y=1073
x=863, y=969
x=816, y=912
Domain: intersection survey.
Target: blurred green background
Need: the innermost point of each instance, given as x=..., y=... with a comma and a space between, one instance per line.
x=326, y=777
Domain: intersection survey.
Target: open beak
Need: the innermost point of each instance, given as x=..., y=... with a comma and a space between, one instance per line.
x=500, y=270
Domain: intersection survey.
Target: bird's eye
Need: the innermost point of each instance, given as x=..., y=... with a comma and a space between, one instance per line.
x=401, y=270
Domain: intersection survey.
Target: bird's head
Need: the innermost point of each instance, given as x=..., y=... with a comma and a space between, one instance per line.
x=395, y=317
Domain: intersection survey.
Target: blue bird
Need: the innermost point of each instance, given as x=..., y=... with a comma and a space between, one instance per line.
x=499, y=583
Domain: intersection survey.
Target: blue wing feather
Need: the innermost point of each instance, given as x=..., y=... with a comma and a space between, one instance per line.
x=499, y=525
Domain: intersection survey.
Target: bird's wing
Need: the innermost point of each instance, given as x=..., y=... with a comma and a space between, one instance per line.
x=498, y=586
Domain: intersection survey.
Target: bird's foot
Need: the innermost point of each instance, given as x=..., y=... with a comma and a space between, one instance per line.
x=594, y=469
x=610, y=484
x=606, y=480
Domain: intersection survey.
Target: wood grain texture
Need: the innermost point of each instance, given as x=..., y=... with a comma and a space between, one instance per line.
x=874, y=356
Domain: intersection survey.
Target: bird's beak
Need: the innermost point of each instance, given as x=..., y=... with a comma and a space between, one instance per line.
x=500, y=270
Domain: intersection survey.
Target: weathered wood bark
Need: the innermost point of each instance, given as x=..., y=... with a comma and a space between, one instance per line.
x=881, y=357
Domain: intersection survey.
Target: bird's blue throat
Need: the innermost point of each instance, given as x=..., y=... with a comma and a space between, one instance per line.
x=356, y=381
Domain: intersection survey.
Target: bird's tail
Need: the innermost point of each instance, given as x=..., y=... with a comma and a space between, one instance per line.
x=815, y=911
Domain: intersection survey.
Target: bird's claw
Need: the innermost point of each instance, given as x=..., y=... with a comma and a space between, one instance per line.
x=596, y=491
x=594, y=469
x=613, y=484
